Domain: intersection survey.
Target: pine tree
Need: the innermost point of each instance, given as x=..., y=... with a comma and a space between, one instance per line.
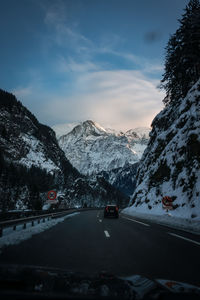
x=182, y=61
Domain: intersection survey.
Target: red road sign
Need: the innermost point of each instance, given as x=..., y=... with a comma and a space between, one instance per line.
x=167, y=202
x=52, y=195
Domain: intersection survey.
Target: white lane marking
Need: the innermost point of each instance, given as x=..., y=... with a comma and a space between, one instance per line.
x=184, y=238
x=106, y=233
x=136, y=221
x=100, y=220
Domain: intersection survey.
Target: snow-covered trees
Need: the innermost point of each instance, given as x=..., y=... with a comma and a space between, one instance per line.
x=182, y=62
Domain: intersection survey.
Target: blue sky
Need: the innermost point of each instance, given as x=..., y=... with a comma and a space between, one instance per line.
x=72, y=60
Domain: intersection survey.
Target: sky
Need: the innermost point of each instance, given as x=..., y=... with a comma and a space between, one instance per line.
x=73, y=60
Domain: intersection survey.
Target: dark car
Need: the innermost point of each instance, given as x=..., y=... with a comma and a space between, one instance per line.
x=111, y=211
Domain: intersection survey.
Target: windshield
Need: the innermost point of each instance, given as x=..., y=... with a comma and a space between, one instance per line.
x=99, y=144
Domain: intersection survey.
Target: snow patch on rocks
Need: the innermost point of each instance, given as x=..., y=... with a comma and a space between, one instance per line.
x=170, y=165
x=35, y=155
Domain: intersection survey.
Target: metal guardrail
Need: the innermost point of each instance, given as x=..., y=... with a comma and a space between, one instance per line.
x=32, y=219
x=38, y=218
x=12, y=215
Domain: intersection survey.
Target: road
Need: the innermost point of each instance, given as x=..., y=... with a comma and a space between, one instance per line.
x=89, y=243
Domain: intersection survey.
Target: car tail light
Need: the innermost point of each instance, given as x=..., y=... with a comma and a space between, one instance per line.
x=117, y=208
x=106, y=208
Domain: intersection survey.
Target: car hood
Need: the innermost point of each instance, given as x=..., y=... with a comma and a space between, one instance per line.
x=35, y=282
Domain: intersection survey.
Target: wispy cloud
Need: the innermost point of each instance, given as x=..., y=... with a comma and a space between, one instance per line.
x=71, y=65
x=64, y=33
x=117, y=97
x=22, y=92
x=121, y=99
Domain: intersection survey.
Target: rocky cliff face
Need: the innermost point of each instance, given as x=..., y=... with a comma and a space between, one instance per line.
x=170, y=165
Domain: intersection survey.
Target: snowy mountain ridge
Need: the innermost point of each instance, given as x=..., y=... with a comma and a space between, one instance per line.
x=92, y=149
x=170, y=165
x=29, y=143
x=32, y=163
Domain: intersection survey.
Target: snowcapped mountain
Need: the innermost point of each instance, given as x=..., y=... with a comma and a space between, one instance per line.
x=24, y=140
x=170, y=165
x=32, y=163
x=92, y=149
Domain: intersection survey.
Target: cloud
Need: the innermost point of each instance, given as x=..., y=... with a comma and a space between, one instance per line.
x=23, y=92
x=64, y=33
x=90, y=86
x=144, y=64
x=71, y=65
x=67, y=35
x=121, y=99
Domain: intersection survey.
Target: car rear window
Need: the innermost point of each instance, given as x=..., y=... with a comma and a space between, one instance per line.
x=111, y=207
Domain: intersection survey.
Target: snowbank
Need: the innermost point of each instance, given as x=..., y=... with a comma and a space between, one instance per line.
x=170, y=165
x=11, y=237
x=167, y=219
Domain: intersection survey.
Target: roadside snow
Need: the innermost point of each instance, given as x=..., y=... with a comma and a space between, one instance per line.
x=11, y=237
x=166, y=219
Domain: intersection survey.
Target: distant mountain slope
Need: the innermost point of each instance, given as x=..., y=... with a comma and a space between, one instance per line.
x=33, y=163
x=92, y=149
x=25, y=141
x=123, y=178
x=170, y=165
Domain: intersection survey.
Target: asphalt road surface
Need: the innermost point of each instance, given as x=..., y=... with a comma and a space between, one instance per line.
x=89, y=243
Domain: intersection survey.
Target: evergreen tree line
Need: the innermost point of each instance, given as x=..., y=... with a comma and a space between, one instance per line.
x=182, y=61
x=17, y=178
x=10, y=103
x=113, y=195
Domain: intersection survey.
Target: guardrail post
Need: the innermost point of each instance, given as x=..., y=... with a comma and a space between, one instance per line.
x=24, y=227
x=32, y=223
x=14, y=227
x=38, y=221
x=1, y=231
x=43, y=220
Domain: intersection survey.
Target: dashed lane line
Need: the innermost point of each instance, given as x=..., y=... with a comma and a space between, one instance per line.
x=106, y=233
x=136, y=221
x=184, y=238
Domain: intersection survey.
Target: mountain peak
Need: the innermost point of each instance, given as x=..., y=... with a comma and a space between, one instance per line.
x=92, y=124
x=92, y=149
x=87, y=128
x=89, y=122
